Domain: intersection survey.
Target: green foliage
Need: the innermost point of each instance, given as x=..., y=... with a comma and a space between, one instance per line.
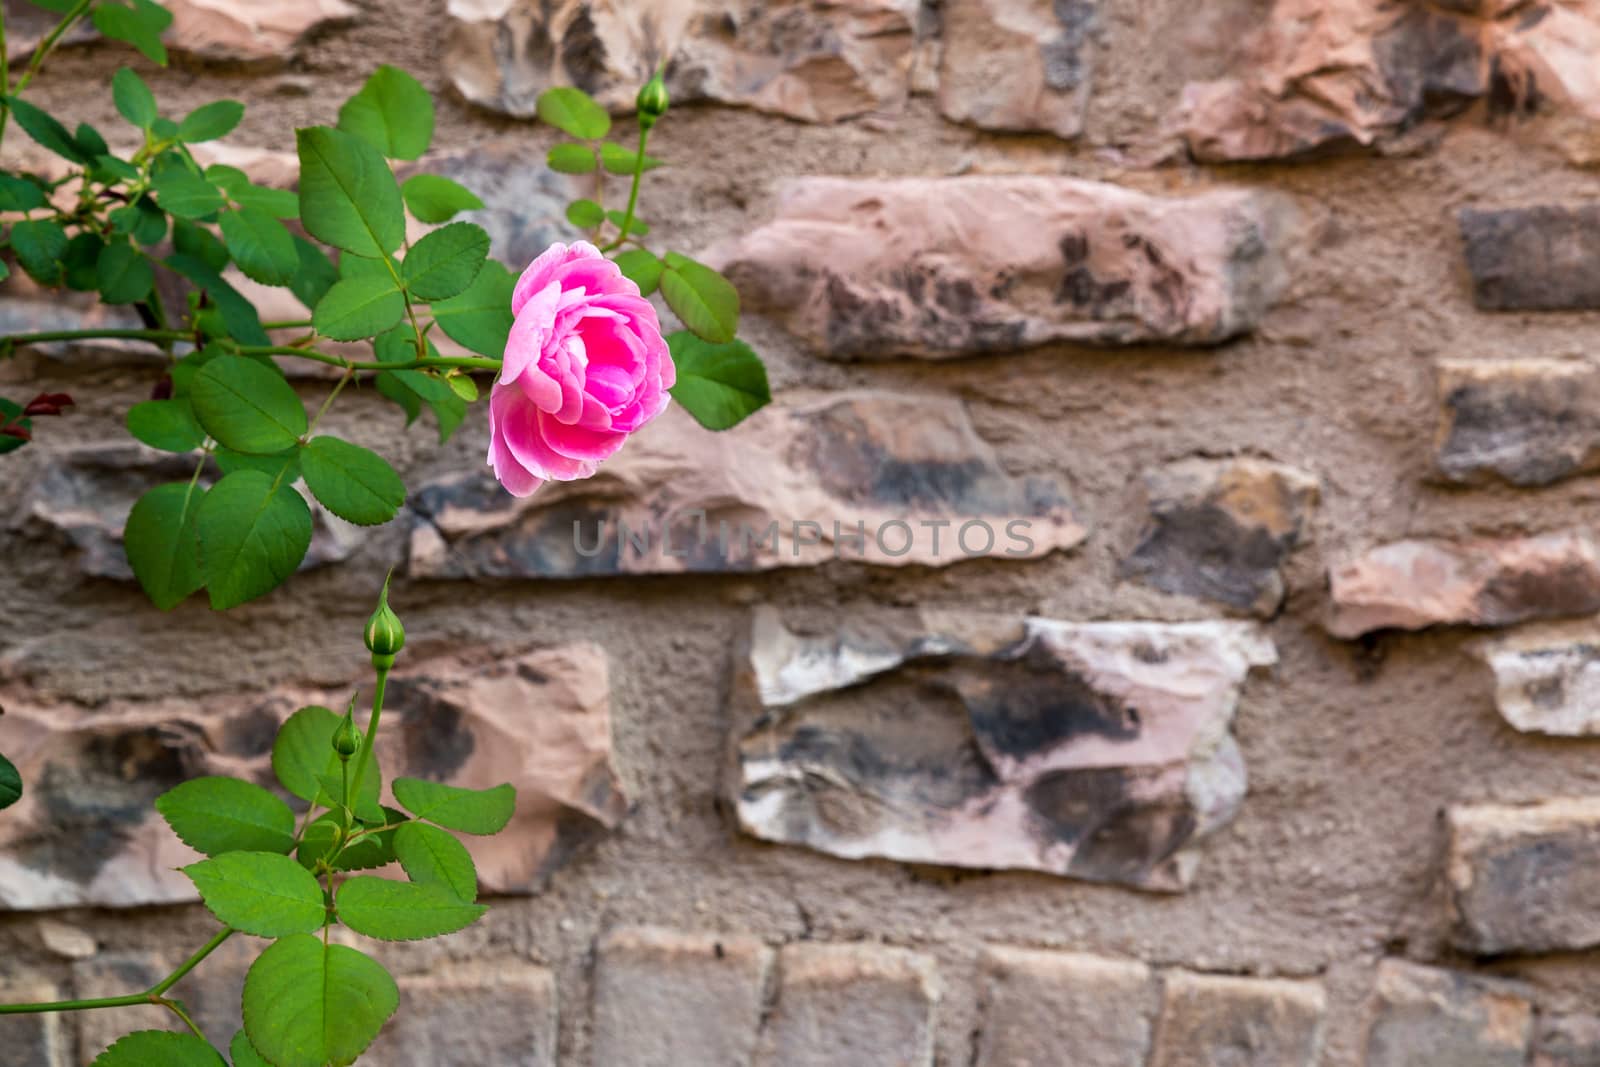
x=168, y=425
x=47, y=132
x=585, y=214
x=402, y=911
x=354, y=483
x=140, y=24
x=480, y=318
x=216, y=815
x=122, y=274
x=348, y=196
x=569, y=158
x=430, y=856
x=307, y=1004
x=303, y=750
x=359, y=306
x=445, y=262
x=210, y=121
x=247, y=406
x=718, y=384
x=260, y=893
x=40, y=245
x=162, y=547
x=433, y=199
x=702, y=298
x=244, y=1054
x=260, y=244
x=10, y=783
x=574, y=112
x=135, y=102
x=144, y=1048
x=392, y=112
x=253, y=532
x=472, y=811
x=642, y=267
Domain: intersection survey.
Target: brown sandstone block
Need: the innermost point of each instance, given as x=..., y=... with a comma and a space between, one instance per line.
x=1037, y=1005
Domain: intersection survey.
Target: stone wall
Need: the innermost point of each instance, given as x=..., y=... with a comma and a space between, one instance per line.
x=1271, y=745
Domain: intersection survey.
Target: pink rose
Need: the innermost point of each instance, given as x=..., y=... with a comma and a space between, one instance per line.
x=585, y=366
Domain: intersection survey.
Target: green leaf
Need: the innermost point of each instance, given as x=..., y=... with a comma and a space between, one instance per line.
x=253, y=534
x=244, y=1054
x=19, y=194
x=354, y=266
x=79, y=264
x=411, y=389
x=10, y=783
x=354, y=483
x=11, y=412
x=307, y=1004
x=261, y=245
x=569, y=158
x=480, y=318
x=246, y=406
x=145, y=1048
x=573, y=111
x=90, y=141
x=348, y=195
x=446, y=261
x=402, y=911
x=210, y=121
x=40, y=245
x=463, y=386
x=279, y=203
x=315, y=275
x=472, y=811
x=301, y=750
x=135, y=102
x=60, y=7
x=432, y=857
x=359, y=307
x=110, y=167
x=433, y=199
x=636, y=226
x=215, y=815
x=142, y=220
x=49, y=133
x=123, y=274
x=392, y=112
x=702, y=298
x=141, y=26
x=262, y=893
x=585, y=214
x=182, y=192
x=322, y=836
x=642, y=267
x=192, y=239
x=619, y=160
x=718, y=384
x=283, y=465
x=168, y=425
x=160, y=541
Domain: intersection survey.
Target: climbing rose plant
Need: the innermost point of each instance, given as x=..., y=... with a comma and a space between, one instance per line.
x=580, y=362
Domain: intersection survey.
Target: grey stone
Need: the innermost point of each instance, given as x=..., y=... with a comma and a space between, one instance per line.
x=524, y=202
x=1544, y=258
x=1037, y=1004
x=1525, y=878
x=869, y=269
x=1547, y=677
x=851, y=1006
x=1526, y=421
x=1425, y=1017
x=1566, y=1041
x=32, y=1040
x=112, y=974
x=1021, y=67
x=666, y=998
x=1096, y=750
x=473, y=1015
x=1224, y=1021
x=1221, y=529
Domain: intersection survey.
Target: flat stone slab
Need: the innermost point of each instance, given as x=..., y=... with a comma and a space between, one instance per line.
x=1547, y=677
x=1528, y=422
x=1543, y=258
x=1425, y=1015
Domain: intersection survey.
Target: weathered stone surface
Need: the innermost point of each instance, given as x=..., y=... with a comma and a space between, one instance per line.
x=1221, y=1021
x=67, y=941
x=1547, y=677
x=1544, y=258
x=804, y=60
x=31, y=1040
x=1526, y=421
x=851, y=1006
x=249, y=29
x=884, y=478
x=944, y=267
x=1566, y=1041
x=1221, y=529
x=524, y=202
x=1524, y=878
x=1425, y=1017
x=1321, y=74
x=539, y=720
x=1035, y=1004
x=1411, y=585
x=472, y=1014
x=1096, y=750
x=1016, y=66
x=664, y=998
x=112, y=974
x=81, y=498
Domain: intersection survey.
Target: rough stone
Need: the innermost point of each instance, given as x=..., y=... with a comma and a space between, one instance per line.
x=1035, y=1004
x=1016, y=66
x=883, y=478
x=1222, y=529
x=1566, y=1041
x=68, y=942
x=1221, y=1021
x=1425, y=1017
x=112, y=974
x=1096, y=750
x=524, y=202
x=1524, y=878
x=1543, y=258
x=851, y=1006
x=665, y=998
x=82, y=495
x=472, y=1014
x=249, y=30
x=1527, y=421
x=943, y=267
x=1319, y=75
x=1547, y=677
x=85, y=832
x=1411, y=585
x=32, y=1040
x=796, y=58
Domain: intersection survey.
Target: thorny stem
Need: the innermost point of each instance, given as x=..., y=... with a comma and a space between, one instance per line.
x=68, y=20
x=154, y=995
x=633, y=191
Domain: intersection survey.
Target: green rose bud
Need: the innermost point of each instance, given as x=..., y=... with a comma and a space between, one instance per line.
x=347, y=739
x=384, y=635
x=652, y=101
